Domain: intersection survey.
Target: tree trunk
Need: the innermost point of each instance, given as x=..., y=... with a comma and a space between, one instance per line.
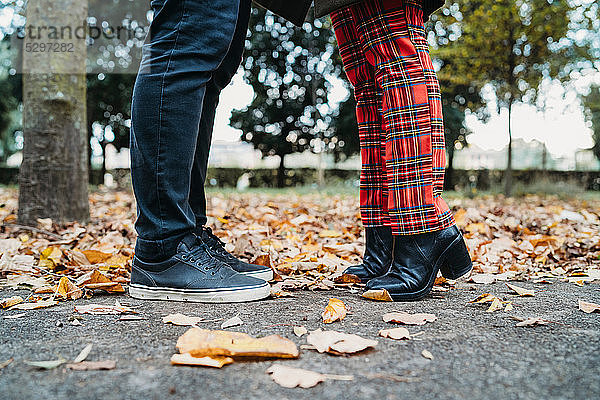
x=281, y=172
x=508, y=173
x=53, y=176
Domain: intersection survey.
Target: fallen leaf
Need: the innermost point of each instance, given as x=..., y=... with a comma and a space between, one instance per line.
x=335, y=311
x=131, y=318
x=484, y=279
x=338, y=342
x=588, y=307
x=347, y=278
x=50, y=257
x=377, y=295
x=395, y=333
x=496, y=305
x=5, y=364
x=401, y=317
x=37, y=304
x=10, y=301
x=233, y=321
x=509, y=306
x=92, y=365
x=328, y=233
x=300, y=330
x=292, y=377
x=95, y=256
x=15, y=316
x=68, y=290
x=96, y=280
x=427, y=354
x=533, y=322
x=181, y=319
x=484, y=298
x=188, y=359
x=83, y=354
x=203, y=342
x=46, y=364
x=520, y=291
x=100, y=309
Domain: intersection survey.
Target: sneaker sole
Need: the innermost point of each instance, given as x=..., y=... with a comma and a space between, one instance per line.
x=233, y=295
x=266, y=275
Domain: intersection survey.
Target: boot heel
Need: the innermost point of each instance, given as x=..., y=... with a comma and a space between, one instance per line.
x=456, y=261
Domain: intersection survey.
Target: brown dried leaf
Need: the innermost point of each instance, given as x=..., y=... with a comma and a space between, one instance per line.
x=293, y=377
x=347, y=278
x=92, y=365
x=483, y=298
x=520, y=291
x=33, y=306
x=233, y=321
x=300, y=330
x=335, y=311
x=101, y=309
x=533, y=322
x=402, y=317
x=395, y=333
x=338, y=342
x=188, y=359
x=204, y=342
x=377, y=295
x=181, y=319
x=67, y=290
x=10, y=301
x=588, y=307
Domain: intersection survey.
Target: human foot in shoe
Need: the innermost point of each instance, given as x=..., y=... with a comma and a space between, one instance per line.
x=193, y=274
x=418, y=258
x=378, y=254
x=217, y=249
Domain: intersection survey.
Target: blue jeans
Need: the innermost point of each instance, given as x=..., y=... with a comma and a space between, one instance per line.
x=193, y=49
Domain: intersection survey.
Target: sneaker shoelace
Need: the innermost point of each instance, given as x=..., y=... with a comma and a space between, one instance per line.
x=217, y=244
x=199, y=253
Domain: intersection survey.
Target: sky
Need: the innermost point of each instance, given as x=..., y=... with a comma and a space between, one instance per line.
x=562, y=126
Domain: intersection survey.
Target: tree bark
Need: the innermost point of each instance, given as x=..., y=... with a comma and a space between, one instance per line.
x=281, y=172
x=508, y=173
x=54, y=173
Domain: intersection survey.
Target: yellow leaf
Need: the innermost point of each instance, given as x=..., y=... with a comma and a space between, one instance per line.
x=377, y=295
x=50, y=257
x=188, y=359
x=95, y=256
x=68, y=290
x=496, y=305
x=335, y=311
x=10, y=301
x=328, y=233
x=204, y=342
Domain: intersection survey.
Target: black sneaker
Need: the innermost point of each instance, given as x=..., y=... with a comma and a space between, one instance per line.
x=217, y=248
x=192, y=274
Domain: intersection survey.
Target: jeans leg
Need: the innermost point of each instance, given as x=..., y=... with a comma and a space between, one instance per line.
x=187, y=42
x=221, y=78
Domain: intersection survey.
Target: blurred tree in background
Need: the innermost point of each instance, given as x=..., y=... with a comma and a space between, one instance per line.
x=288, y=68
x=591, y=109
x=513, y=46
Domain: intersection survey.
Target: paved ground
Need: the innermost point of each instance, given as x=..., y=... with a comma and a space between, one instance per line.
x=477, y=354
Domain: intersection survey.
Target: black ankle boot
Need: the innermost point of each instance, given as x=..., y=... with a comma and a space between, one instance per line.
x=378, y=254
x=417, y=259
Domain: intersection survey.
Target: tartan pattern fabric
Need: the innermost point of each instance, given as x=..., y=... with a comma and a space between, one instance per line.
x=399, y=112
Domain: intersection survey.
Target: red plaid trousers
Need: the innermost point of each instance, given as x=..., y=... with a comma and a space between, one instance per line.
x=399, y=111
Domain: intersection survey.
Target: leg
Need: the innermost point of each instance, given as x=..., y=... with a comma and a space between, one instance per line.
x=427, y=239
x=373, y=208
x=187, y=42
x=221, y=78
x=414, y=202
